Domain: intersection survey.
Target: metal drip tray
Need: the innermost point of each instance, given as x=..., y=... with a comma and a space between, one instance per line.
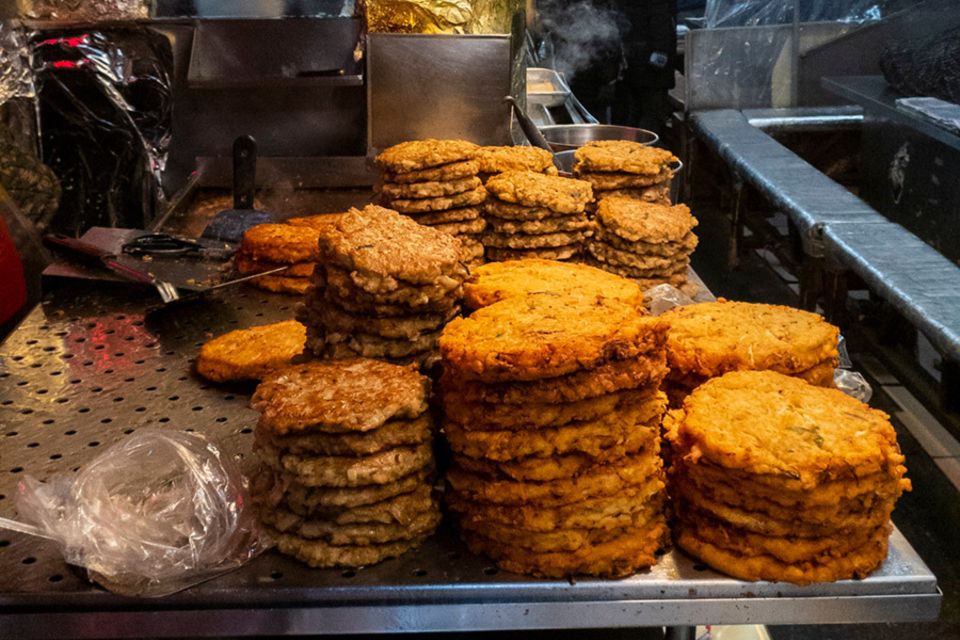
x=88, y=368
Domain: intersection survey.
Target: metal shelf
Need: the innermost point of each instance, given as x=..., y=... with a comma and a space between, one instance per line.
x=88, y=367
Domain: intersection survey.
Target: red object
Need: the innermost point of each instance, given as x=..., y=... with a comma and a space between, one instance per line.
x=13, y=287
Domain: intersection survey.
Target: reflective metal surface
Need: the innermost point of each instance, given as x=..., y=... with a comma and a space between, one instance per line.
x=563, y=137
x=88, y=367
x=438, y=86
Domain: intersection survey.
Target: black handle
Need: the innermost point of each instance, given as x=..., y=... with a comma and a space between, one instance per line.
x=244, y=172
x=529, y=128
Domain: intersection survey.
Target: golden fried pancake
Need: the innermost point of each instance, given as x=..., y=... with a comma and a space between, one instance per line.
x=322, y=555
x=622, y=156
x=541, y=336
x=530, y=416
x=442, y=292
x=416, y=155
x=320, y=221
x=858, y=564
x=602, y=480
x=822, y=374
x=608, y=512
x=789, y=549
x=559, y=224
x=416, y=526
x=385, y=246
x=282, y=284
x=345, y=345
x=348, y=471
x=323, y=500
x=466, y=228
x=460, y=214
x=555, y=253
x=249, y=354
x=469, y=198
x=607, y=181
x=393, y=433
x=618, y=558
x=406, y=190
x=499, y=280
x=281, y=243
x=608, y=438
x=498, y=208
x=712, y=338
x=337, y=397
x=525, y=241
x=516, y=158
x=439, y=173
x=684, y=246
x=644, y=282
x=565, y=540
x=639, y=221
x=609, y=377
x=649, y=266
x=788, y=427
x=563, y=195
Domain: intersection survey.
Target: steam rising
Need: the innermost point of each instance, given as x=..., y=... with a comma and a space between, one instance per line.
x=582, y=34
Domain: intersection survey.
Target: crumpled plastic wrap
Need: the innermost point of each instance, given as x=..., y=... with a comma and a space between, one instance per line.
x=663, y=297
x=85, y=9
x=752, y=13
x=154, y=514
x=441, y=16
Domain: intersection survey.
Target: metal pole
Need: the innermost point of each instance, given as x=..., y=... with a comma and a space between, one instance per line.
x=681, y=633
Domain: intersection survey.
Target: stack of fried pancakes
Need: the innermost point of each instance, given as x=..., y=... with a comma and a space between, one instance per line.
x=712, y=338
x=552, y=412
x=533, y=215
x=268, y=246
x=627, y=169
x=435, y=182
x=346, y=453
x=651, y=243
x=776, y=479
x=384, y=288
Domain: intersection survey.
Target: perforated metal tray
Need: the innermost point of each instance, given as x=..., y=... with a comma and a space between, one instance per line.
x=88, y=368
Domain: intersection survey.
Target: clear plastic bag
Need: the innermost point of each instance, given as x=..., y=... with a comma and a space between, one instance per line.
x=752, y=13
x=847, y=380
x=664, y=297
x=154, y=514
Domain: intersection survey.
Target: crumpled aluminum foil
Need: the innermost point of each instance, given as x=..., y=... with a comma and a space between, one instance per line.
x=441, y=16
x=16, y=77
x=84, y=9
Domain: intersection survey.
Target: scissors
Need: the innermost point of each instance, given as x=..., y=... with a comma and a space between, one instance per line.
x=164, y=244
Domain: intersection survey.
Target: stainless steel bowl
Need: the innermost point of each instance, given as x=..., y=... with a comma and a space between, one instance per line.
x=563, y=137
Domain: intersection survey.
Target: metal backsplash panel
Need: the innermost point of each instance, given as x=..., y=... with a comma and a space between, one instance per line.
x=438, y=86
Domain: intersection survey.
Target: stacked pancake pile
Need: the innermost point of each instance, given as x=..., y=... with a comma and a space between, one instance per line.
x=776, y=479
x=319, y=221
x=712, y=338
x=268, y=246
x=494, y=160
x=346, y=455
x=552, y=412
x=435, y=182
x=651, y=243
x=533, y=215
x=384, y=288
x=625, y=168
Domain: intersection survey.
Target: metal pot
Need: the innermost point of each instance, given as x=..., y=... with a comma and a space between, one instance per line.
x=563, y=137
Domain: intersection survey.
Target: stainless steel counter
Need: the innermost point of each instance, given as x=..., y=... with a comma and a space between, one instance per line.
x=89, y=367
